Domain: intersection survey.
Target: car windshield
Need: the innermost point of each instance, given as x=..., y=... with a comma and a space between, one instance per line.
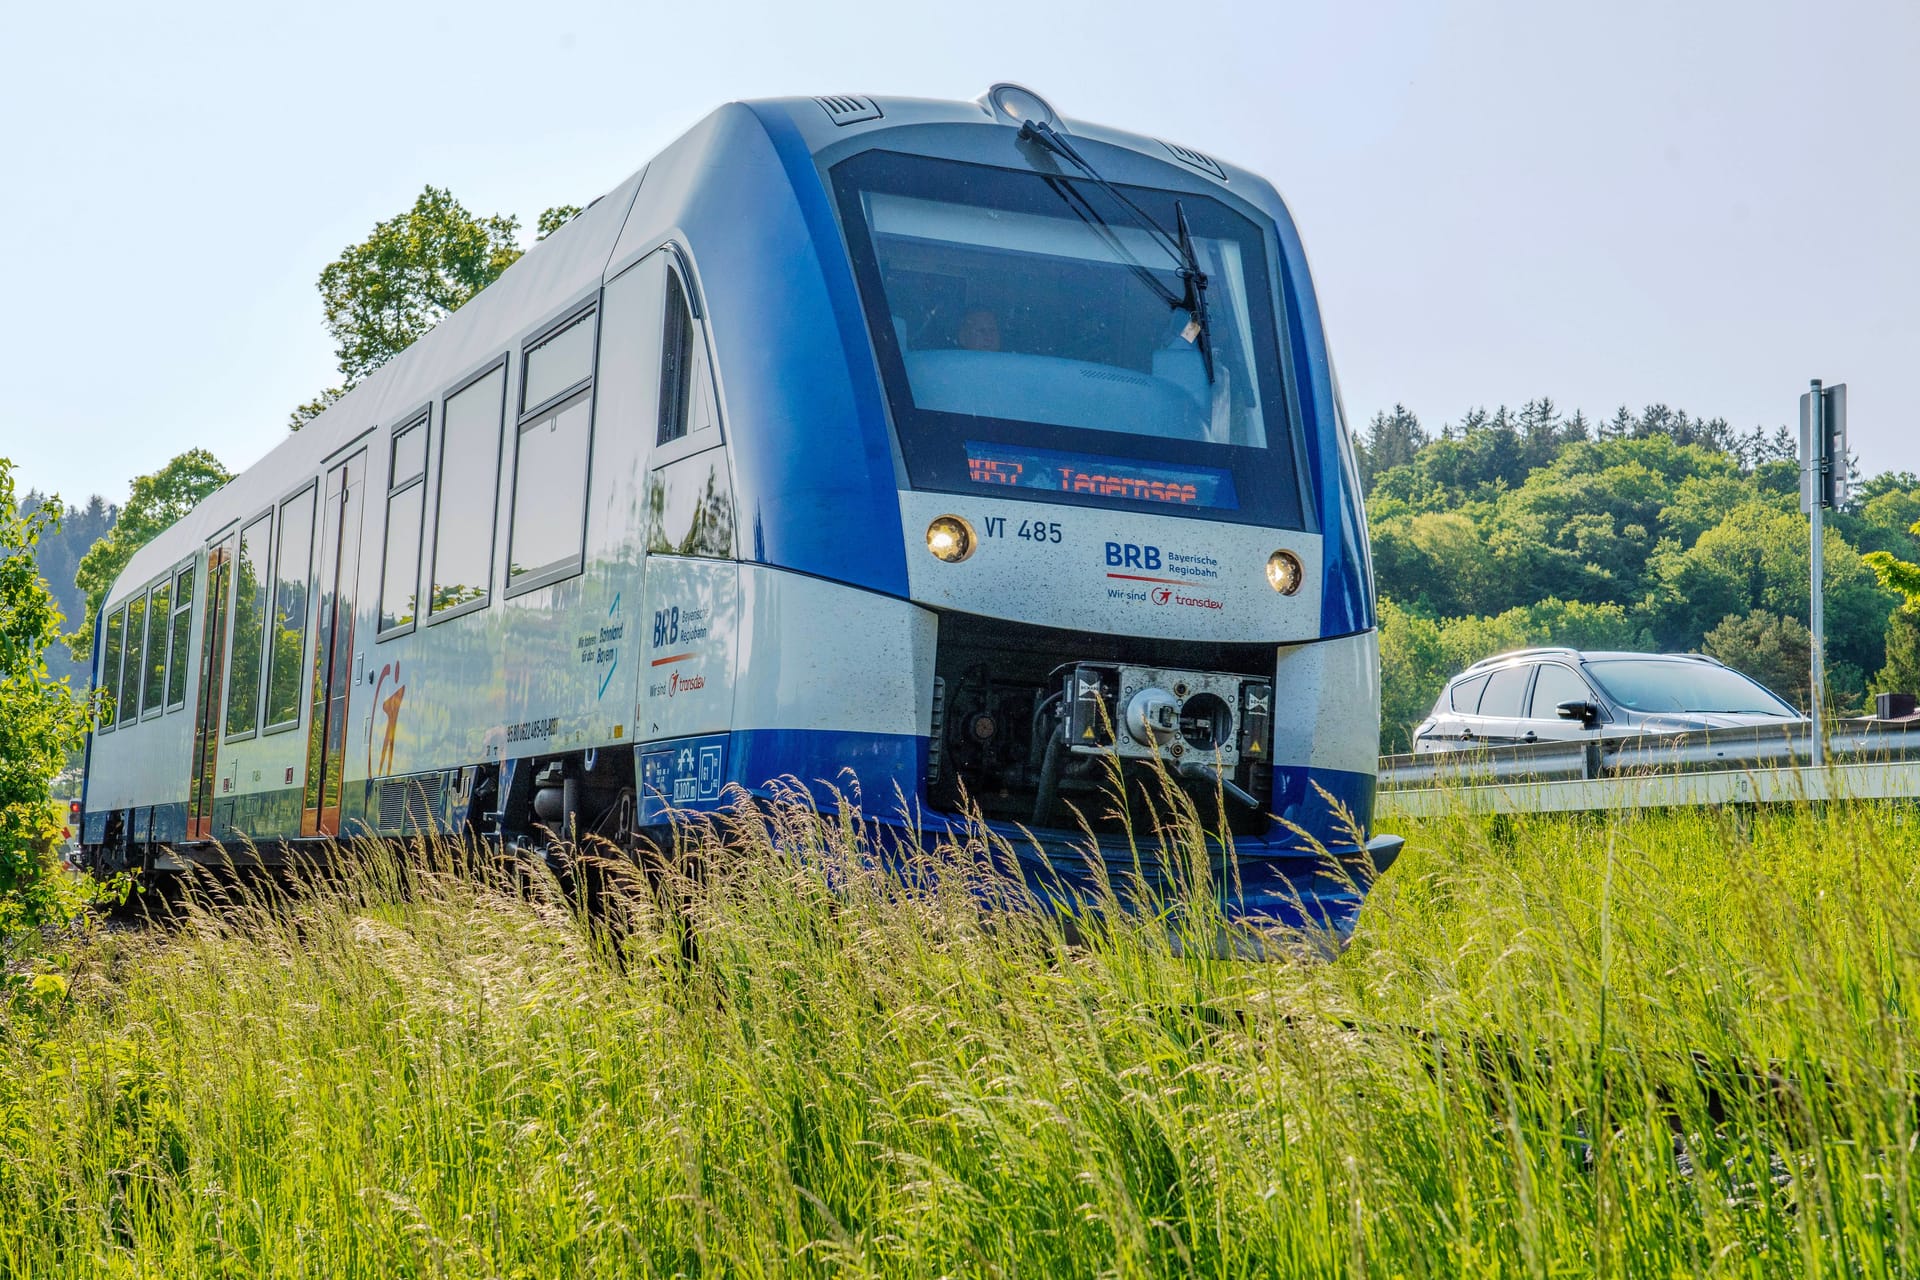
x=1654, y=685
x=1026, y=340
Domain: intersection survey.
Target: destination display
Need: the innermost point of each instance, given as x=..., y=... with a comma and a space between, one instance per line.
x=1026, y=468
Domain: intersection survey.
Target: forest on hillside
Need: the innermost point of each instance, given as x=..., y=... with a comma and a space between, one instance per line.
x=58, y=557
x=1653, y=530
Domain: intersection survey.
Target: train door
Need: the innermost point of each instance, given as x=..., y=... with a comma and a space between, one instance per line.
x=692, y=591
x=337, y=583
x=213, y=669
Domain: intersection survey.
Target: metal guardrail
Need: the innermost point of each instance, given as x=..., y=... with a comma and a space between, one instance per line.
x=1763, y=765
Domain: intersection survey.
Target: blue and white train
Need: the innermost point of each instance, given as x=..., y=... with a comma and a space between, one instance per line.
x=953, y=444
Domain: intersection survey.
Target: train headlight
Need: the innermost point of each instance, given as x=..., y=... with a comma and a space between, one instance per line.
x=951, y=538
x=1284, y=573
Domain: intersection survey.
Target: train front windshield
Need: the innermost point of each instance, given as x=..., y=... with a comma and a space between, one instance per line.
x=1029, y=343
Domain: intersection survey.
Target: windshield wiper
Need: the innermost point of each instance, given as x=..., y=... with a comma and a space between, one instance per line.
x=1199, y=328
x=1178, y=246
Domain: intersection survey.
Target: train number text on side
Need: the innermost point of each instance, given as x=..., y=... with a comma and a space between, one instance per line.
x=1029, y=530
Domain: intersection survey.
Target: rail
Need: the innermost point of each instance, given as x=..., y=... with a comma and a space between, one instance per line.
x=1864, y=760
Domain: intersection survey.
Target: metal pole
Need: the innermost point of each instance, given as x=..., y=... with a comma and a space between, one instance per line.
x=1817, y=612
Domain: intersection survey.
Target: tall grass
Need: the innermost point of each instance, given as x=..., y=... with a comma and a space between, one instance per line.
x=1675, y=1044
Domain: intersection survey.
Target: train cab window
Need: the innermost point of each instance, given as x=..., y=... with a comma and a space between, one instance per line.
x=406, y=516
x=136, y=659
x=470, y=427
x=676, y=361
x=546, y=537
x=110, y=667
x=178, y=634
x=249, y=628
x=153, y=680
x=286, y=652
x=1032, y=333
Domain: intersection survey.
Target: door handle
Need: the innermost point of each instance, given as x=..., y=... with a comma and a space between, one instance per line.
x=1531, y=736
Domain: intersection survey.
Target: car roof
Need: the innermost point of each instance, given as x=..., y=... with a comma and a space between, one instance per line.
x=1517, y=656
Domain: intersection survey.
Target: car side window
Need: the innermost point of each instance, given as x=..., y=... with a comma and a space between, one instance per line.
x=1506, y=691
x=1466, y=694
x=1557, y=684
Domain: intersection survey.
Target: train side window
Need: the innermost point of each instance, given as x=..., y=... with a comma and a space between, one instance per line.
x=676, y=362
x=244, y=654
x=136, y=659
x=547, y=534
x=153, y=685
x=110, y=667
x=470, y=426
x=286, y=654
x=406, y=517
x=178, y=636
x=558, y=364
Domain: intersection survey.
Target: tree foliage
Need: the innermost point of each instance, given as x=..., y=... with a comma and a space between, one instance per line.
x=1901, y=674
x=41, y=720
x=1899, y=575
x=156, y=501
x=410, y=273
x=551, y=220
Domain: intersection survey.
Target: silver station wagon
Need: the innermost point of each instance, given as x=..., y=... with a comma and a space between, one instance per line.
x=1565, y=695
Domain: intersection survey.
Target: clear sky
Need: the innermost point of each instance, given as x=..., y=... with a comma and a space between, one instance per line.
x=1700, y=204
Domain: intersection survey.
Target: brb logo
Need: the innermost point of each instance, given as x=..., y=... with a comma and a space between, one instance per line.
x=1132, y=555
x=666, y=626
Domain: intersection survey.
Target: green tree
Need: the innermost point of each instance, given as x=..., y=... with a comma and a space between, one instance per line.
x=410, y=273
x=1901, y=674
x=156, y=502
x=1897, y=575
x=1774, y=650
x=551, y=220
x=41, y=719
x=1412, y=671
x=1391, y=441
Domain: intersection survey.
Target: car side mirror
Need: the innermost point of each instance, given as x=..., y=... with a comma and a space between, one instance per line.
x=1585, y=712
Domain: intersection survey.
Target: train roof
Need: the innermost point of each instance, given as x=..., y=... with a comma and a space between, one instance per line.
x=563, y=272
x=830, y=119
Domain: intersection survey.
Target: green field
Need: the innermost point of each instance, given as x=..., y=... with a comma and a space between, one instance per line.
x=1669, y=1045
